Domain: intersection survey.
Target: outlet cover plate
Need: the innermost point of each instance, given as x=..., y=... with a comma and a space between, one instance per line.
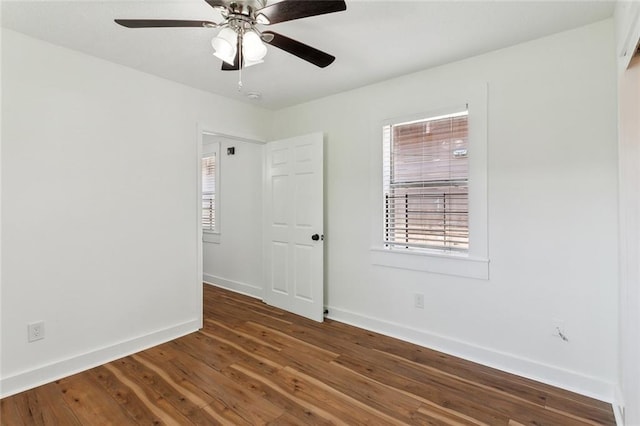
x=36, y=331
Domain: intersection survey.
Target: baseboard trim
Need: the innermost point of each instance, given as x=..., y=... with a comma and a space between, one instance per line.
x=618, y=405
x=561, y=378
x=48, y=373
x=237, y=286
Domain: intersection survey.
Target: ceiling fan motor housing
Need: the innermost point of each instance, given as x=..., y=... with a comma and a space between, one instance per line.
x=246, y=7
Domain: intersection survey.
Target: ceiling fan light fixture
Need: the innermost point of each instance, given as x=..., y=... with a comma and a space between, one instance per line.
x=226, y=58
x=225, y=45
x=253, y=48
x=250, y=63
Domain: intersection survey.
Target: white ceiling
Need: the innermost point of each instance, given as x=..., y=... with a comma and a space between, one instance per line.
x=372, y=40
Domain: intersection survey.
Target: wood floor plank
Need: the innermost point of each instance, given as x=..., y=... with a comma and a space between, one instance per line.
x=441, y=396
x=10, y=413
x=349, y=409
x=359, y=387
x=510, y=383
x=486, y=376
x=230, y=399
x=429, y=414
x=253, y=364
x=591, y=412
x=236, y=350
x=145, y=389
x=89, y=403
x=434, y=385
x=504, y=387
x=248, y=406
x=206, y=378
x=444, y=362
x=240, y=340
x=39, y=407
x=204, y=348
x=27, y=404
x=160, y=391
x=137, y=408
x=238, y=331
x=304, y=411
x=284, y=340
x=161, y=353
x=286, y=420
x=228, y=311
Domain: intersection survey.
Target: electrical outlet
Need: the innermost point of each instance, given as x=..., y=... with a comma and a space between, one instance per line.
x=418, y=300
x=36, y=331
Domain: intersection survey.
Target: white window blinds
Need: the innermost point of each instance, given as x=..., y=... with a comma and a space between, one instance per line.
x=209, y=192
x=425, y=178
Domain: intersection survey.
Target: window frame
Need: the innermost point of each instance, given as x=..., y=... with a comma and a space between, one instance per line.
x=210, y=149
x=473, y=263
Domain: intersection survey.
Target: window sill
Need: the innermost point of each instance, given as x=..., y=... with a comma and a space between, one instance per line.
x=211, y=237
x=438, y=263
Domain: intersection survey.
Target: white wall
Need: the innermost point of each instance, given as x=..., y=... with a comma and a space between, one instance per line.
x=628, y=30
x=114, y=287
x=234, y=261
x=552, y=206
x=99, y=207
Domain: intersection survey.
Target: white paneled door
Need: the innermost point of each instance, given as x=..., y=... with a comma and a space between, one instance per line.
x=293, y=229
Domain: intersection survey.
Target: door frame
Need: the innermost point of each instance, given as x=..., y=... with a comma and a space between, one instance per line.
x=202, y=130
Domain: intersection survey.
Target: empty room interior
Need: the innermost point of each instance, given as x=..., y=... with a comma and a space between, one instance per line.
x=320, y=212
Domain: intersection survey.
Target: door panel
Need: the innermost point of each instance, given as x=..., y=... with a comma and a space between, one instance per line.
x=279, y=201
x=303, y=279
x=294, y=213
x=279, y=267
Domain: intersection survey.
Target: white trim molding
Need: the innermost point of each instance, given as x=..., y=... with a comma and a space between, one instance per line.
x=38, y=376
x=237, y=286
x=211, y=237
x=618, y=406
x=462, y=266
x=510, y=363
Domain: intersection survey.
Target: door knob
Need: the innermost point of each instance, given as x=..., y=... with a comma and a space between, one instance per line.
x=316, y=237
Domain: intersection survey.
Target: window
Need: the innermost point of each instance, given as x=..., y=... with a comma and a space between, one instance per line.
x=210, y=188
x=435, y=218
x=209, y=193
x=426, y=183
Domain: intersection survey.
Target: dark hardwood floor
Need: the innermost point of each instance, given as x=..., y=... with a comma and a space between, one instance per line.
x=254, y=364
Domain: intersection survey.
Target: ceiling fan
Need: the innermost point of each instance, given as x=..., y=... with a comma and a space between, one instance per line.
x=239, y=43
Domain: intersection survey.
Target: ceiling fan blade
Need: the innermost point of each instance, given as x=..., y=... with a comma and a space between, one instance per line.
x=288, y=10
x=301, y=50
x=163, y=23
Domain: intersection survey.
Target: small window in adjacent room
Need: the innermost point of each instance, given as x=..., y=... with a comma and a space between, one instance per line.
x=210, y=222
x=426, y=183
